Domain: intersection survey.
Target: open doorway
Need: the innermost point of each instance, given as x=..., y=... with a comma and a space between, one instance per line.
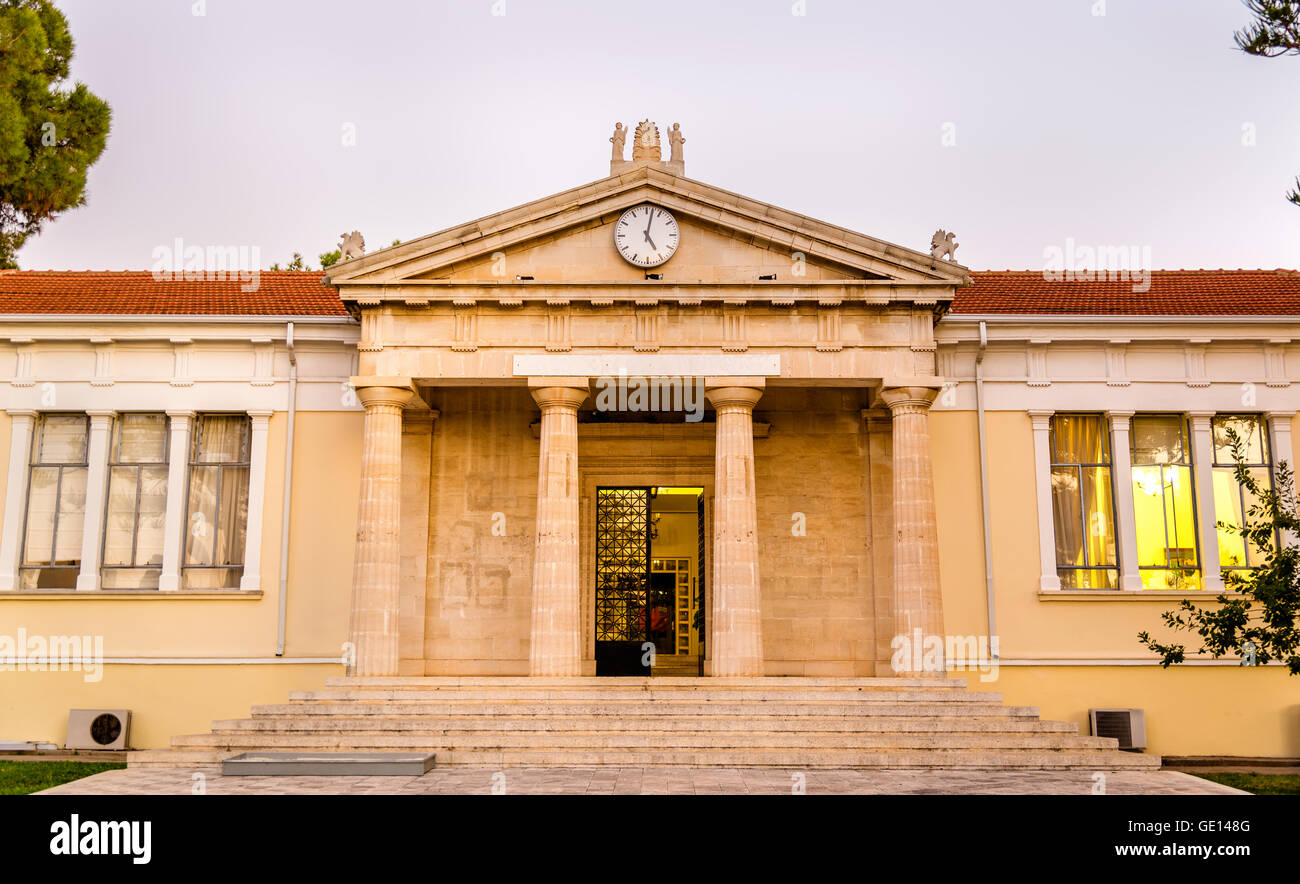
x=649, y=580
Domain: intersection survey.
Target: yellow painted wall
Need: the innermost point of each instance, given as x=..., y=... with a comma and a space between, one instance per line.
x=164, y=700
x=1191, y=710
x=176, y=625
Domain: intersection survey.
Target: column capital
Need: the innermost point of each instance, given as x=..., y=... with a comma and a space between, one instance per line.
x=559, y=392
x=180, y=414
x=1271, y=415
x=23, y=413
x=1120, y=419
x=1041, y=418
x=725, y=395
x=101, y=413
x=919, y=397
x=379, y=395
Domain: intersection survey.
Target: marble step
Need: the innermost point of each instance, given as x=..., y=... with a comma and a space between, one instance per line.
x=507, y=682
x=726, y=740
x=1100, y=760
x=345, y=721
x=618, y=708
x=648, y=695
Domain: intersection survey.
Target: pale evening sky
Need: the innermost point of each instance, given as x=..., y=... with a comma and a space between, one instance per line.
x=1140, y=127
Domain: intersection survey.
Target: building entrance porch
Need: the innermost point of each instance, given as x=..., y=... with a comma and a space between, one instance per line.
x=650, y=543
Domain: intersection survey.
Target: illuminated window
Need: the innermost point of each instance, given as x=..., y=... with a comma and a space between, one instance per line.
x=1082, y=503
x=1231, y=501
x=1164, y=505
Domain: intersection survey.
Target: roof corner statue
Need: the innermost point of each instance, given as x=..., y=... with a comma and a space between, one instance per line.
x=617, y=139
x=944, y=243
x=352, y=245
x=647, y=149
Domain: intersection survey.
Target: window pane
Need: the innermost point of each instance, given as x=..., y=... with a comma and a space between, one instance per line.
x=72, y=509
x=63, y=439
x=119, y=528
x=142, y=438
x=1180, y=517
x=1149, y=514
x=1089, y=578
x=1158, y=439
x=40, y=515
x=1080, y=438
x=1227, y=508
x=211, y=578
x=1251, y=430
x=152, y=517
x=221, y=439
x=200, y=524
x=1066, y=514
x=1097, y=510
x=131, y=578
x=233, y=516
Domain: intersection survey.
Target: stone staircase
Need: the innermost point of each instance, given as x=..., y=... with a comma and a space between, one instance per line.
x=637, y=722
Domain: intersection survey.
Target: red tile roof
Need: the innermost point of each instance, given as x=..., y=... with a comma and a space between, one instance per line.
x=1171, y=293
x=293, y=293
x=279, y=293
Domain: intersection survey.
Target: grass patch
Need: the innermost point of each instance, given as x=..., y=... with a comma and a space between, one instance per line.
x=26, y=777
x=1256, y=783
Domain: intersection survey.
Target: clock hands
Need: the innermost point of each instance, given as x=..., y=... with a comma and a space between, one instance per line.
x=647, y=230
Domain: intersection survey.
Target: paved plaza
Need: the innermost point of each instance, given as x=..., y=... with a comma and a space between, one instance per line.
x=649, y=781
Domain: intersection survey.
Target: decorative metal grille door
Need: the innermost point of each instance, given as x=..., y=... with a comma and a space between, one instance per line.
x=622, y=579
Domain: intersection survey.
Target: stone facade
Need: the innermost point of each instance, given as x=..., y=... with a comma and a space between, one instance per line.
x=839, y=326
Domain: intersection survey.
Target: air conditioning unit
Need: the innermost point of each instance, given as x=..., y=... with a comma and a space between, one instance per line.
x=1129, y=726
x=98, y=728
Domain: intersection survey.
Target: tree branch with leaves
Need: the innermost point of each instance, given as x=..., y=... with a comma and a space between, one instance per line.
x=1259, y=622
x=1275, y=31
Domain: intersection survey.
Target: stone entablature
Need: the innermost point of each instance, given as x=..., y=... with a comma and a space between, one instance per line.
x=849, y=343
x=208, y=363
x=1098, y=363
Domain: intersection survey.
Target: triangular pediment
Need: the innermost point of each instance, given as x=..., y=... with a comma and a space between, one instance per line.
x=567, y=237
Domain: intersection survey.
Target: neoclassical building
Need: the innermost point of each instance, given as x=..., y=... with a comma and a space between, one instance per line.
x=642, y=427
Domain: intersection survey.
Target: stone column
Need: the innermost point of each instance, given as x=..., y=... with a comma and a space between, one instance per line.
x=1121, y=459
x=918, y=602
x=1279, y=426
x=21, y=423
x=555, y=646
x=736, y=628
x=260, y=425
x=1207, y=523
x=92, y=528
x=1041, y=421
x=372, y=628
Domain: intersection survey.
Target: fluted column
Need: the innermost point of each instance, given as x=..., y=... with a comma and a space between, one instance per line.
x=555, y=647
x=918, y=604
x=736, y=627
x=375, y=572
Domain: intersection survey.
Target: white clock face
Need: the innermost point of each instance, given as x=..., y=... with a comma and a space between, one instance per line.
x=646, y=235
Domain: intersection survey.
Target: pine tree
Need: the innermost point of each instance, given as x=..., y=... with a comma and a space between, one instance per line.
x=50, y=133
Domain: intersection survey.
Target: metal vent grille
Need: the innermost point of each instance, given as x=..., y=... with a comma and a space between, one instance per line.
x=1127, y=726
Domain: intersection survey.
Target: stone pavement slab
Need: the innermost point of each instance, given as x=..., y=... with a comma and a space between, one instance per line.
x=646, y=781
